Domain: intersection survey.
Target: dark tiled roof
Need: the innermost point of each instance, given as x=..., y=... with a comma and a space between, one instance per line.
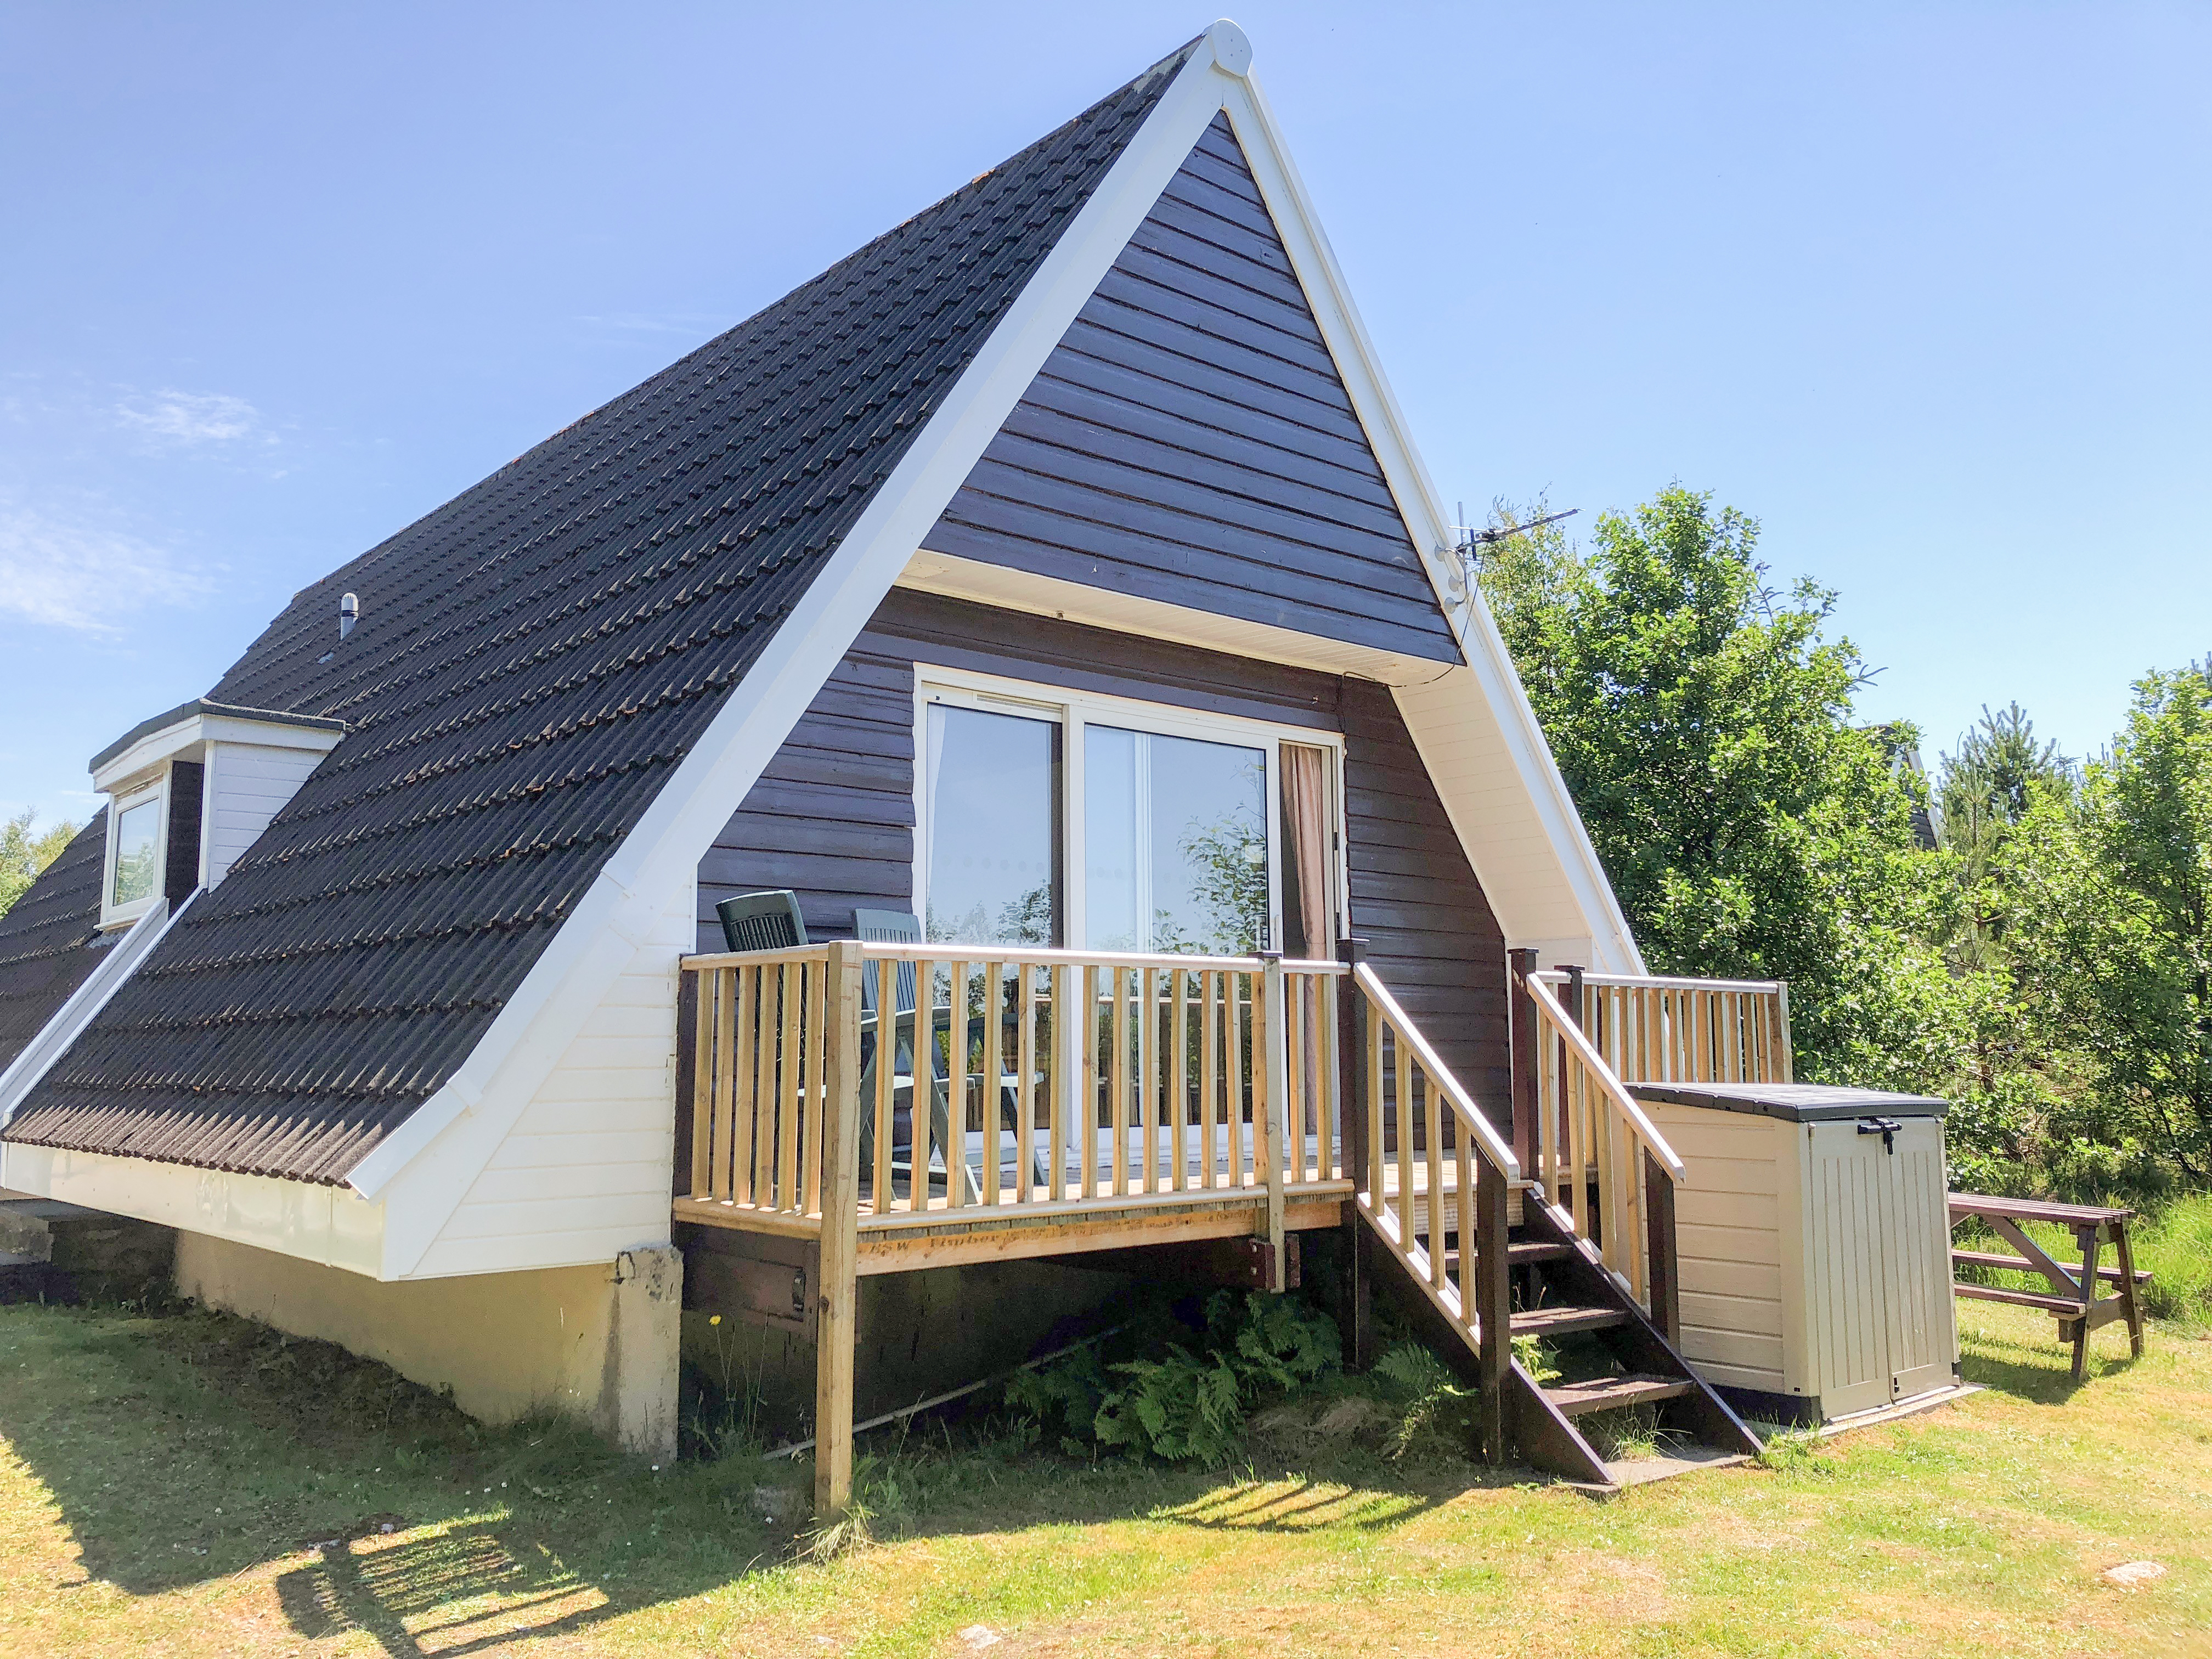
x=531, y=660
x=47, y=939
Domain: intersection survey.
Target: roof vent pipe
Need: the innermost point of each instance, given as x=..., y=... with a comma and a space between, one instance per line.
x=348, y=613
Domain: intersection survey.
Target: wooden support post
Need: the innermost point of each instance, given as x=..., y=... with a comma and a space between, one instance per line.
x=2088, y=1236
x=1660, y=1249
x=2128, y=1298
x=690, y=1131
x=1351, y=1017
x=1522, y=1023
x=838, y=1289
x=1492, y=1302
x=1268, y=1139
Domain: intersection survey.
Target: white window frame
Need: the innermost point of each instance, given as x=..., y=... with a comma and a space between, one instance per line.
x=1074, y=710
x=155, y=788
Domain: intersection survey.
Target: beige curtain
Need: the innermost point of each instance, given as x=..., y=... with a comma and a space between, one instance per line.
x=1305, y=837
x=1309, y=923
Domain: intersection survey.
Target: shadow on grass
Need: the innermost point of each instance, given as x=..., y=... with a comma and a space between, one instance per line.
x=2040, y=1371
x=463, y=1589
x=193, y=1447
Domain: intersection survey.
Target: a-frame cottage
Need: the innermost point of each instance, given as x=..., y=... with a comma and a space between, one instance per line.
x=1050, y=600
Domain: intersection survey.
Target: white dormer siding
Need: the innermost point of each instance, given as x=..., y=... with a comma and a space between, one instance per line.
x=246, y=784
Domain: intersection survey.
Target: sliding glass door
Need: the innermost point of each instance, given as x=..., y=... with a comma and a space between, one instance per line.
x=1174, y=846
x=1048, y=818
x=991, y=802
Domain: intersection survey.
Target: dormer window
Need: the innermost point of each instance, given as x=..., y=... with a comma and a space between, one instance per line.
x=134, y=840
x=205, y=763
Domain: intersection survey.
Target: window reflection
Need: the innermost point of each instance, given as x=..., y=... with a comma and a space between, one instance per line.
x=137, y=858
x=1174, y=843
x=993, y=801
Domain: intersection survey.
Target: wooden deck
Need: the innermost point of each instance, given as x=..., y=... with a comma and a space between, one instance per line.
x=1148, y=1099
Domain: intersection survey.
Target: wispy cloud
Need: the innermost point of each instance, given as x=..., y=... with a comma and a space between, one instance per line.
x=81, y=575
x=190, y=418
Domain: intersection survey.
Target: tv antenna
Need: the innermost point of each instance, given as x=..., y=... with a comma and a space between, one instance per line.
x=1471, y=538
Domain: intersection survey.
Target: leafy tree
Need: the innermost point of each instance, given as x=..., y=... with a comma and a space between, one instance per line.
x=1703, y=721
x=25, y=850
x=1985, y=788
x=2110, y=918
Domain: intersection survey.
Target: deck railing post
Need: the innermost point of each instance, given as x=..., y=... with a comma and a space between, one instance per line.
x=1269, y=1129
x=1522, y=1036
x=1660, y=1247
x=841, y=1223
x=690, y=1131
x=1352, y=1014
x=1492, y=1302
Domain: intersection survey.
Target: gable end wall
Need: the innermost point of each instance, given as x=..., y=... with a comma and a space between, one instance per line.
x=1190, y=440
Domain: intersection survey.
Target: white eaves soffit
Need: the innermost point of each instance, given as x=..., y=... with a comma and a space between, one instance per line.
x=1471, y=722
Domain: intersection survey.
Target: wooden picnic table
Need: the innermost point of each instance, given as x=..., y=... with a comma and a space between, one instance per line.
x=2073, y=1296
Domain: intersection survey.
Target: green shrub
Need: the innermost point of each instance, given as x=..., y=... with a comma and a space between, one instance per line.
x=1188, y=1404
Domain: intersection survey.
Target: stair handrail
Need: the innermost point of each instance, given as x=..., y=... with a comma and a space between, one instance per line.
x=1492, y=1146
x=1616, y=1092
x=1466, y=1191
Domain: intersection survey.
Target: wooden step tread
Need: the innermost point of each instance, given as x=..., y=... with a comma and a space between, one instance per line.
x=1606, y=1393
x=1522, y=1255
x=1557, y=1322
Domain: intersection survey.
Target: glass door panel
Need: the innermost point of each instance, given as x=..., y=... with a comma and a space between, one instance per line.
x=1174, y=843
x=992, y=801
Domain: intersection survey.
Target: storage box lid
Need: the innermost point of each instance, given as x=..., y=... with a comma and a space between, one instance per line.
x=1793, y=1103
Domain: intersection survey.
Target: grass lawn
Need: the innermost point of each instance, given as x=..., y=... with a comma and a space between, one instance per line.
x=173, y=1486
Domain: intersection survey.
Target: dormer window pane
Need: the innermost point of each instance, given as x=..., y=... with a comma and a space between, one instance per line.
x=137, y=851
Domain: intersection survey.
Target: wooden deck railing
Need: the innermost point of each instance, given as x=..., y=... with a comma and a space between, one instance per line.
x=1008, y=1080
x=1682, y=1031
x=1594, y=1152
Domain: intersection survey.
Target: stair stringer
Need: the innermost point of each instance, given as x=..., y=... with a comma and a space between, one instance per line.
x=1536, y=1428
x=1648, y=1350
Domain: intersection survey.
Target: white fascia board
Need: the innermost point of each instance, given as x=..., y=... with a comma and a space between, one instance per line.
x=1330, y=297
x=196, y=729
x=424, y=1168
x=84, y=1003
x=1005, y=588
x=327, y=1224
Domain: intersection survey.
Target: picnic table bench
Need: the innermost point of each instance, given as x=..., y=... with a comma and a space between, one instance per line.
x=2073, y=1296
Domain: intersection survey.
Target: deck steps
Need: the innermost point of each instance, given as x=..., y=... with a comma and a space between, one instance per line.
x=1522, y=1253
x=1606, y=1393
x=1565, y=1320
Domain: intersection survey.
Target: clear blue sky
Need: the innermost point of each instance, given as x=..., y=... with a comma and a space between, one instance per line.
x=1924, y=289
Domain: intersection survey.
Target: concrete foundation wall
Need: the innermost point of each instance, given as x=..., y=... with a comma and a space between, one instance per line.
x=598, y=1344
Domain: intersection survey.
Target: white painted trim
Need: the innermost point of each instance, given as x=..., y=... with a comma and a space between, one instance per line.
x=155, y=789
x=328, y=1225
x=1074, y=711
x=172, y=741
x=600, y=937
x=67, y=1022
x=955, y=577
x=1314, y=264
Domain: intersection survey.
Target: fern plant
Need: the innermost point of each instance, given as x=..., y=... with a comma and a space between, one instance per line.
x=1188, y=1403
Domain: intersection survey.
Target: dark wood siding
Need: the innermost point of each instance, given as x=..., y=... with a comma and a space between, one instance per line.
x=1189, y=440
x=1430, y=930
x=832, y=816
